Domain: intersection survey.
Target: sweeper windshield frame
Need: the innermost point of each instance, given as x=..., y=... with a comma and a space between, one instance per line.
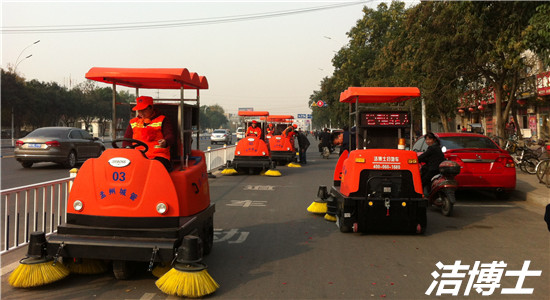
x=388, y=123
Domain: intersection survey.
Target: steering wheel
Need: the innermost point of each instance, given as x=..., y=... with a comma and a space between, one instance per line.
x=133, y=144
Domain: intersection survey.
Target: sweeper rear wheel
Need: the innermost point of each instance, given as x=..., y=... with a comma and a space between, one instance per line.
x=122, y=269
x=207, y=236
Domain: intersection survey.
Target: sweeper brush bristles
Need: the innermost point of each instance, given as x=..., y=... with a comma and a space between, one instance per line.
x=318, y=207
x=229, y=171
x=33, y=272
x=272, y=173
x=294, y=165
x=87, y=266
x=160, y=270
x=330, y=218
x=187, y=284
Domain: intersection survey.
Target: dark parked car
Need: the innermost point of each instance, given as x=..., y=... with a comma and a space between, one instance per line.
x=484, y=165
x=63, y=145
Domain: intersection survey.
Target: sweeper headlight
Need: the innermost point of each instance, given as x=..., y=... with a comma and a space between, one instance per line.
x=162, y=208
x=78, y=205
x=263, y=153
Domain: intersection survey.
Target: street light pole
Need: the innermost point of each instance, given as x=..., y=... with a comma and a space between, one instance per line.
x=17, y=62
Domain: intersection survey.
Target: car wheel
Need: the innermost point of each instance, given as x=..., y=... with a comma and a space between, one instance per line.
x=71, y=160
x=26, y=164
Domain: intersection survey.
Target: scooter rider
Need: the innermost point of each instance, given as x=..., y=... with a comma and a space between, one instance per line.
x=432, y=158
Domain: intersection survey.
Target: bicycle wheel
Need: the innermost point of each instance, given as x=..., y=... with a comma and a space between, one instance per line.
x=543, y=171
x=530, y=165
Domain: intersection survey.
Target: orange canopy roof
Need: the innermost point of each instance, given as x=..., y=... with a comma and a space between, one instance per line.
x=379, y=94
x=248, y=113
x=149, y=78
x=280, y=117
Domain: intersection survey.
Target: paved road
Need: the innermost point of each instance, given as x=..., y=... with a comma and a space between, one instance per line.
x=268, y=247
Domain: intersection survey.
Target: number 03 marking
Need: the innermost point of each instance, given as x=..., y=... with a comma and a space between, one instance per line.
x=119, y=176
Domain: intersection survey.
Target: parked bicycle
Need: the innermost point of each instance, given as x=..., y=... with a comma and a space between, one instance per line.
x=543, y=168
x=543, y=172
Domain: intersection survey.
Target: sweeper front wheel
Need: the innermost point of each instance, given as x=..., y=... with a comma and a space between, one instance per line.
x=122, y=269
x=341, y=225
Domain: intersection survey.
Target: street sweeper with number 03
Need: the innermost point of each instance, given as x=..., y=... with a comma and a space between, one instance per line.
x=125, y=207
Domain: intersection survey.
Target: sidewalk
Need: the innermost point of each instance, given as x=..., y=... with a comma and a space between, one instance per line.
x=529, y=189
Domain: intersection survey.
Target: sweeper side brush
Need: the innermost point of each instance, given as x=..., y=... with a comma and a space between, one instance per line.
x=36, y=272
x=86, y=266
x=229, y=171
x=319, y=205
x=160, y=270
x=37, y=269
x=294, y=165
x=189, y=277
x=272, y=173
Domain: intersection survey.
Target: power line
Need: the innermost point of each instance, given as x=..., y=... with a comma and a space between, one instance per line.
x=167, y=24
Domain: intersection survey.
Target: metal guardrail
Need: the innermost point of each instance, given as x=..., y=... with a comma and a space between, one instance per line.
x=42, y=206
x=218, y=157
x=47, y=203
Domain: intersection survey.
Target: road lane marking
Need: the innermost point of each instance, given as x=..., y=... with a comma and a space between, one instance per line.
x=227, y=235
x=247, y=203
x=259, y=188
x=148, y=296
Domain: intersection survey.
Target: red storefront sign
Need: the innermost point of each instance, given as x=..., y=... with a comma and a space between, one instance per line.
x=543, y=84
x=479, y=97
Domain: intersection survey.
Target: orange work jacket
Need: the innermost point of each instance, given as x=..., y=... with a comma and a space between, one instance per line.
x=150, y=134
x=257, y=132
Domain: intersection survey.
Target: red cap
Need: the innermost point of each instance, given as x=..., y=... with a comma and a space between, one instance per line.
x=143, y=102
x=254, y=122
x=294, y=125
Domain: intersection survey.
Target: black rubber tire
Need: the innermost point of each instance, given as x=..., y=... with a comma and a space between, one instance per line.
x=207, y=236
x=122, y=269
x=531, y=165
x=71, y=160
x=27, y=164
x=447, y=206
x=542, y=169
x=340, y=222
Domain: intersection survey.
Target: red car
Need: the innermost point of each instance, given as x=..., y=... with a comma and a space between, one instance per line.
x=483, y=164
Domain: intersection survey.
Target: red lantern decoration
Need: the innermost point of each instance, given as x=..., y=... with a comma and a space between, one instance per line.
x=481, y=107
x=522, y=102
x=461, y=111
x=471, y=109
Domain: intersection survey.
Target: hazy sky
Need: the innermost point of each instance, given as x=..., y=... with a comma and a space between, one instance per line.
x=268, y=63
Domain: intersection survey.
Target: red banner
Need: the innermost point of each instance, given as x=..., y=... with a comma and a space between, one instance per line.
x=543, y=84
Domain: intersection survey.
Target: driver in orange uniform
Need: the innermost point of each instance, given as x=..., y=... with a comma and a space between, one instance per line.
x=153, y=129
x=254, y=130
x=270, y=129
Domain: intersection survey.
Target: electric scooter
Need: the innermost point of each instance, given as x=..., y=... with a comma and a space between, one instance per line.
x=444, y=186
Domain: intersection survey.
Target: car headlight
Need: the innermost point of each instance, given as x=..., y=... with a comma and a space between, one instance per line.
x=162, y=208
x=78, y=205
